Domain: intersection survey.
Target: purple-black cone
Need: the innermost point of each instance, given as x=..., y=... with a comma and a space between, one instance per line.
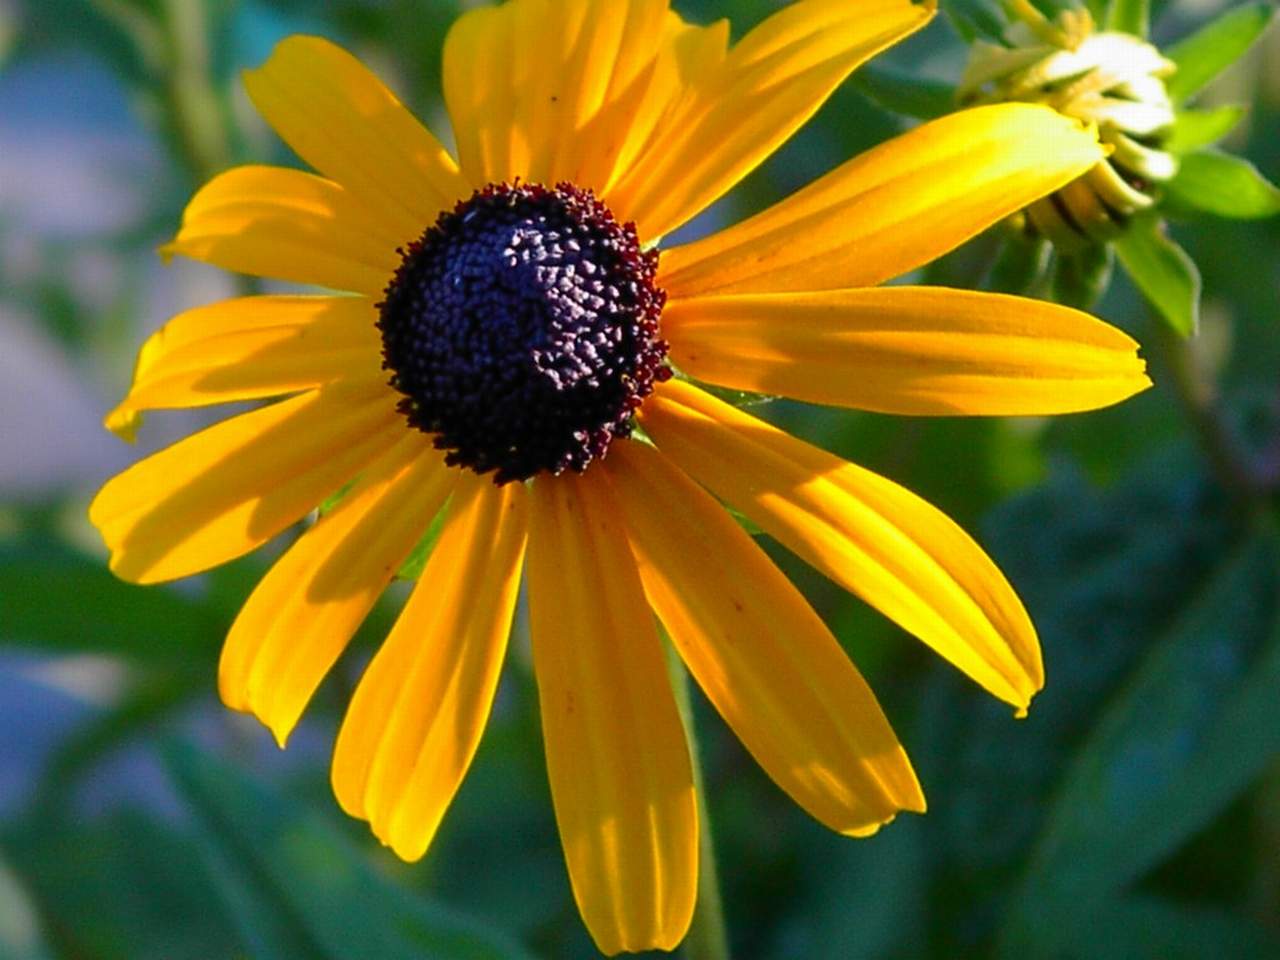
x=522, y=329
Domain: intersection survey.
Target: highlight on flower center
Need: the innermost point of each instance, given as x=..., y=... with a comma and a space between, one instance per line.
x=507, y=351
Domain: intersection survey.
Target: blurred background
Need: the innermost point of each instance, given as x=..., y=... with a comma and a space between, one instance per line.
x=1134, y=814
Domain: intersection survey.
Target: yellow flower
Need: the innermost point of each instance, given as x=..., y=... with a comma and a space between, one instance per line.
x=525, y=323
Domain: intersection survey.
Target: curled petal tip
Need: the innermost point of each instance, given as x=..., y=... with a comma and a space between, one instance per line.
x=124, y=422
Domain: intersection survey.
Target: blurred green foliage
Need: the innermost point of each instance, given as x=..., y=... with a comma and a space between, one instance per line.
x=1135, y=814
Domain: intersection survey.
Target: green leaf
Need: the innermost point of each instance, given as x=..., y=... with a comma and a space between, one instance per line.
x=889, y=880
x=906, y=93
x=125, y=885
x=1192, y=729
x=56, y=599
x=1082, y=277
x=311, y=896
x=1164, y=272
x=1194, y=129
x=1213, y=48
x=1144, y=928
x=147, y=702
x=1223, y=185
x=1129, y=16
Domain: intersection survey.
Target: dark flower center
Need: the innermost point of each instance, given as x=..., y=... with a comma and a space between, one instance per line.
x=522, y=329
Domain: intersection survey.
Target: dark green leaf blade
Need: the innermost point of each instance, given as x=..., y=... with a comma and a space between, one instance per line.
x=1144, y=928
x=1163, y=271
x=1192, y=729
x=1213, y=48
x=124, y=885
x=291, y=858
x=1223, y=185
x=48, y=591
x=152, y=697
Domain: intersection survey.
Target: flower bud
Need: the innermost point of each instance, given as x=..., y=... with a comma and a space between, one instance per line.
x=1114, y=81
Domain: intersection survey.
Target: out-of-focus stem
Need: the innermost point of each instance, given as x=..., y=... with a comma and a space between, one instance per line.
x=1198, y=398
x=708, y=937
x=193, y=110
x=191, y=102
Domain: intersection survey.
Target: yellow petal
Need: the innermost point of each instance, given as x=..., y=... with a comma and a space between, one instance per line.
x=617, y=756
x=869, y=535
x=893, y=208
x=300, y=617
x=584, y=42
x=249, y=348
x=908, y=350
x=289, y=225
x=343, y=121
x=218, y=494
x=417, y=715
x=488, y=55
x=737, y=115
x=640, y=99
x=759, y=652
x=551, y=90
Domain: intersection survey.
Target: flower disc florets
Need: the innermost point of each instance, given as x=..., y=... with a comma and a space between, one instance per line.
x=522, y=329
x=1113, y=80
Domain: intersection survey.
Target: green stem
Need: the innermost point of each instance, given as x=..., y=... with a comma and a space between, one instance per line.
x=1199, y=401
x=194, y=108
x=708, y=937
x=194, y=111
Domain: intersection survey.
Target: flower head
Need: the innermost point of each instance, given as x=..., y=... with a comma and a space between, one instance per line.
x=506, y=318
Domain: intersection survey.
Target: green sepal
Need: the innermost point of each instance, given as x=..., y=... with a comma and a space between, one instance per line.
x=752, y=528
x=1164, y=272
x=1226, y=186
x=328, y=504
x=1020, y=264
x=730, y=395
x=1129, y=16
x=1196, y=129
x=416, y=562
x=1082, y=276
x=1213, y=48
x=905, y=93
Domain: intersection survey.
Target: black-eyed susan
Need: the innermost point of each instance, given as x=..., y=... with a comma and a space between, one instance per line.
x=507, y=317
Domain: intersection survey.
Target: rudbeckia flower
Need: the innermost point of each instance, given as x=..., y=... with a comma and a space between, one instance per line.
x=507, y=315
